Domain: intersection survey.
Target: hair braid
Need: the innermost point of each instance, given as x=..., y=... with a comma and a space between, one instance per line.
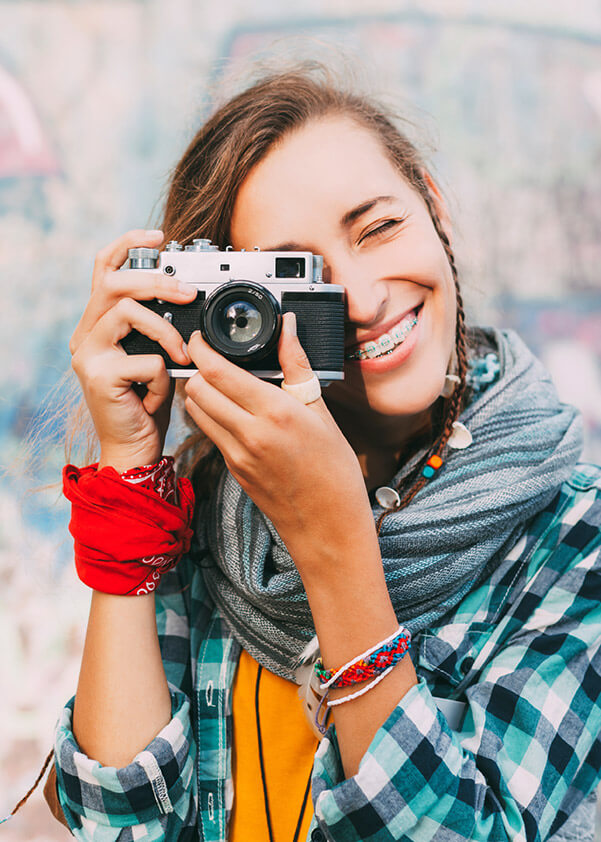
x=206, y=181
x=416, y=480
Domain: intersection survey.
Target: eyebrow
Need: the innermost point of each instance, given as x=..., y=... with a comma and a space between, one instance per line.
x=346, y=221
x=354, y=214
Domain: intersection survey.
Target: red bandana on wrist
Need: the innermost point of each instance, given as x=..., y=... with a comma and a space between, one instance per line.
x=128, y=529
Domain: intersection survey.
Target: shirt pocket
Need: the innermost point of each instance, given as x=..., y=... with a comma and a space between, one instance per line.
x=446, y=656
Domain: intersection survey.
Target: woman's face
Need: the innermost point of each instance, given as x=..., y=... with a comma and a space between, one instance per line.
x=330, y=188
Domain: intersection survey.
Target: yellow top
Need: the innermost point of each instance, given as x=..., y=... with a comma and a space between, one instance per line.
x=288, y=748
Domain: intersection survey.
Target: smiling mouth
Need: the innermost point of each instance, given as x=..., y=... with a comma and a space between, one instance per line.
x=387, y=342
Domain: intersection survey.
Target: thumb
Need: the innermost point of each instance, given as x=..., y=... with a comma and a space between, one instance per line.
x=294, y=362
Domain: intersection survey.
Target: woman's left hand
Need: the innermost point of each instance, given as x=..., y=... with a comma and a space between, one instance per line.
x=290, y=458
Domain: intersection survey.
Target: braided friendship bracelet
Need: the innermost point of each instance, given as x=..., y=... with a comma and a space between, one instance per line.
x=381, y=657
x=375, y=663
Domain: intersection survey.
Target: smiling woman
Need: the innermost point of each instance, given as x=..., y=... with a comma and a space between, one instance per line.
x=378, y=238
x=429, y=501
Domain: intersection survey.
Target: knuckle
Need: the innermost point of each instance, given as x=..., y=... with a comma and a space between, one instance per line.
x=282, y=416
x=110, y=283
x=76, y=363
x=157, y=365
x=301, y=359
x=255, y=445
x=162, y=285
x=125, y=306
x=96, y=376
x=192, y=385
x=242, y=465
x=213, y=372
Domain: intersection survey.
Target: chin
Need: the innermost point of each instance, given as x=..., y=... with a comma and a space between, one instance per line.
x=388, y=400
x=403, y=404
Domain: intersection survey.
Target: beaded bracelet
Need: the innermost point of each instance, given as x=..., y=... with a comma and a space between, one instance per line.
x=375, y=661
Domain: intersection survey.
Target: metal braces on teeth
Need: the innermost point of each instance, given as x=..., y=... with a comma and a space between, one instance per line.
x=384, y=345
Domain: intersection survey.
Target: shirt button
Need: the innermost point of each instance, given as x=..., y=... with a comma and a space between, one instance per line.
x=467, y=664
x=317, y=836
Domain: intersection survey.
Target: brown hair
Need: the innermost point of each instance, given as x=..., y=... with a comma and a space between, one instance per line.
x=205, y=183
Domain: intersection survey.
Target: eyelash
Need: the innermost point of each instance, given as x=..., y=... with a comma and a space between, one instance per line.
x=381, y=229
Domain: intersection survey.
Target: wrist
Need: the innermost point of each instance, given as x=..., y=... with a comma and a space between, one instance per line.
x=128, y=530
x=355, y=554
x=123, y=460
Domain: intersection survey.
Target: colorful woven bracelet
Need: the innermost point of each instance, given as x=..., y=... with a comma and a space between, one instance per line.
x=383, y=656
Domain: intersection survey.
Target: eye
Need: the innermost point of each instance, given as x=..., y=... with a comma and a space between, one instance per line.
x=380, y=230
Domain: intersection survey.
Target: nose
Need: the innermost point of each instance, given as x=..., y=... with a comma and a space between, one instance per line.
x=365, y=297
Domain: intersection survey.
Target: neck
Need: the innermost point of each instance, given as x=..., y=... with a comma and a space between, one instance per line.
x=380, y=441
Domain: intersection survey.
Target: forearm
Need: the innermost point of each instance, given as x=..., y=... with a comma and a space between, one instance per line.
x=122, y=699
x=352, y=612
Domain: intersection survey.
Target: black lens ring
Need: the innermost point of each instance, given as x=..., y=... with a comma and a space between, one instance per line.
x=263, y=300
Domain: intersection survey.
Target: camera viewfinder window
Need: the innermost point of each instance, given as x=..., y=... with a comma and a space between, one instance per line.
x=290, y=267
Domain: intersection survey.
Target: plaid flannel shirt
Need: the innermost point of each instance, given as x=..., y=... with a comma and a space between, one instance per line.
x=522, y=650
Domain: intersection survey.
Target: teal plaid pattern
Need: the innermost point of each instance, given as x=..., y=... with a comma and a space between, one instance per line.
x=522, y=650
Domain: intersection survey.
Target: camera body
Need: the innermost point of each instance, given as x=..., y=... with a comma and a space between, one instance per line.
x=241, y=298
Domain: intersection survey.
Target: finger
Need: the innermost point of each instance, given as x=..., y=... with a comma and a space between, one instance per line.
x=136, y=284
x=219, y=407
x=128, y=315
x=115, y=254
x=150, y=370
x=222, y=438
x=242, y=387
x=294, y=362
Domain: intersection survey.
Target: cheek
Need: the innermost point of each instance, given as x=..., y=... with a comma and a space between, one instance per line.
x=447, y=298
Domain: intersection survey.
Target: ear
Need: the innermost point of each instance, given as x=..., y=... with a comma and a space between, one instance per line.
x=440, y=205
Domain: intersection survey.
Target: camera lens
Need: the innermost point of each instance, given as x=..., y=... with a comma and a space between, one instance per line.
x=241, y=320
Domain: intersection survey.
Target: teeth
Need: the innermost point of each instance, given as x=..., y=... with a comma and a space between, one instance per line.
x=386, y=343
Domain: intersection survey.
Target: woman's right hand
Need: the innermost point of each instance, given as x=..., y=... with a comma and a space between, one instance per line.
x=131, y=430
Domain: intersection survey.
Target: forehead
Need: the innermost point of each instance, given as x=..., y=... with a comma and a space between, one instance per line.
x=320, y=170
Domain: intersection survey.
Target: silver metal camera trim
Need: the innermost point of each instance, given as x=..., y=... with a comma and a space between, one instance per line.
x=324, y=377
x=243, y=267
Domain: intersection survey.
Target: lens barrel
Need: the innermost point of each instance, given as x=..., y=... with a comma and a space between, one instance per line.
x=241, y=320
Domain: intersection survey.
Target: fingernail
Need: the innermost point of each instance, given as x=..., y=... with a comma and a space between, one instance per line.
x=185, y=351
x=290, y=324
x=192, y=335
x=152, y=234
x=183, y=287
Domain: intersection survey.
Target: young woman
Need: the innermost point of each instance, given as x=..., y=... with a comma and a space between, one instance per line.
x=434, y=492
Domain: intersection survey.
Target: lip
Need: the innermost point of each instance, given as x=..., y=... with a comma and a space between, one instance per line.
x=384, y=327
x=389, y=362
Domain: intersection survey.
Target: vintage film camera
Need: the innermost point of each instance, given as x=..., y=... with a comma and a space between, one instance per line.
x=241, y=298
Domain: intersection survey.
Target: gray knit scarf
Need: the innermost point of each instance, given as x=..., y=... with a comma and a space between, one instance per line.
x=454, y=532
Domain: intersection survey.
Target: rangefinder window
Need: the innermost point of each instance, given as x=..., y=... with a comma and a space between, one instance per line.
x=290, y=267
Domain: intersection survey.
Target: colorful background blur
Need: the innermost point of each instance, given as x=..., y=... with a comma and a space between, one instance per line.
x=97, y=101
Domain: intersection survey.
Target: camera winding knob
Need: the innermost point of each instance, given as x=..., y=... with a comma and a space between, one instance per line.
x=143, y=258
x=202, y=244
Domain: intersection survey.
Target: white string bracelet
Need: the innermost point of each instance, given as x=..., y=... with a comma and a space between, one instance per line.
x=327, y=684
x=356, y=695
